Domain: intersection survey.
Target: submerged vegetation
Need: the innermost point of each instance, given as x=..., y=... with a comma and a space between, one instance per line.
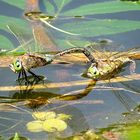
x=90, y=90
x=48, y=121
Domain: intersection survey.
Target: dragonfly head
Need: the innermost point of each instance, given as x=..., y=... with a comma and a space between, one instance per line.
x=93, y=72
x=16, y=66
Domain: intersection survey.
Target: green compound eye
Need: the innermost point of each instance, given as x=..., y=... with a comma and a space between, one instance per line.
x=93, y=72
x=16, y=66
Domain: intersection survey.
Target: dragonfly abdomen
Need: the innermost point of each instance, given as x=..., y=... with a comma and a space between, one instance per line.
x=78, y=50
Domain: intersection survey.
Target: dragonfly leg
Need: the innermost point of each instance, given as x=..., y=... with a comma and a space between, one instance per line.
x=132, y=66
x=34, y=75
x=25, y=76
x=19, y=75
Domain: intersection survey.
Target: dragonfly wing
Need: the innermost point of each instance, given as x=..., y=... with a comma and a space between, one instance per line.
x=42, y=38
x=125, y=99
x=24, y=39
x=107, y=47
x=133, y=86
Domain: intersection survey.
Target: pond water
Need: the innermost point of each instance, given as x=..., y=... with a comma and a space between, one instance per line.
x=93, y=106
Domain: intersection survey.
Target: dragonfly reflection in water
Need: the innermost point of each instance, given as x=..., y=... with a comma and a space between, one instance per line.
x=39, y=16
x=34, y=14
x=43, y=97
x=34, y=99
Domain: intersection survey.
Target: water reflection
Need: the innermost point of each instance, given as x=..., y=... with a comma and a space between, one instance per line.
x=32, y=98
x=46, y=101
x=35, y=98
x=42, y=38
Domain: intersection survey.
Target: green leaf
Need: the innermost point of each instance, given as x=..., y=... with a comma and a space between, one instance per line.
x=6, y=20
x=43, y=115
x=59, y=4
x=68, y=43
x=16, y=137
x=131, y=133
x=18, y=27
x=49, y=8
x=5, y=43
x=63, y=117
x=102, y=8
x=54, y=125
x=101, y=27
x=17, y=3
x=35, y=126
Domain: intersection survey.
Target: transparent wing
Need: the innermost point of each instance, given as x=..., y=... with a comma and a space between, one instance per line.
x=125, y=99
x=105, y=48
x=43, y=38
x=113, y=50
x=132, y=53
x=25, y=39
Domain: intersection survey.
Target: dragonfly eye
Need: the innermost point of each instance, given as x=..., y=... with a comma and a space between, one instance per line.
x=17, y=65
x=93, y=72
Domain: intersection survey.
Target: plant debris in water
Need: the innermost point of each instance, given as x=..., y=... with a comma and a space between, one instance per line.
x=48, y=121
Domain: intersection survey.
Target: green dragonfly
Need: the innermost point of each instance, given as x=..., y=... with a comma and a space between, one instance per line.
x=107, y=63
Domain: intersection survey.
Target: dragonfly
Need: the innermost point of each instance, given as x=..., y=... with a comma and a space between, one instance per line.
x=24, y=63
x=107, y=64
